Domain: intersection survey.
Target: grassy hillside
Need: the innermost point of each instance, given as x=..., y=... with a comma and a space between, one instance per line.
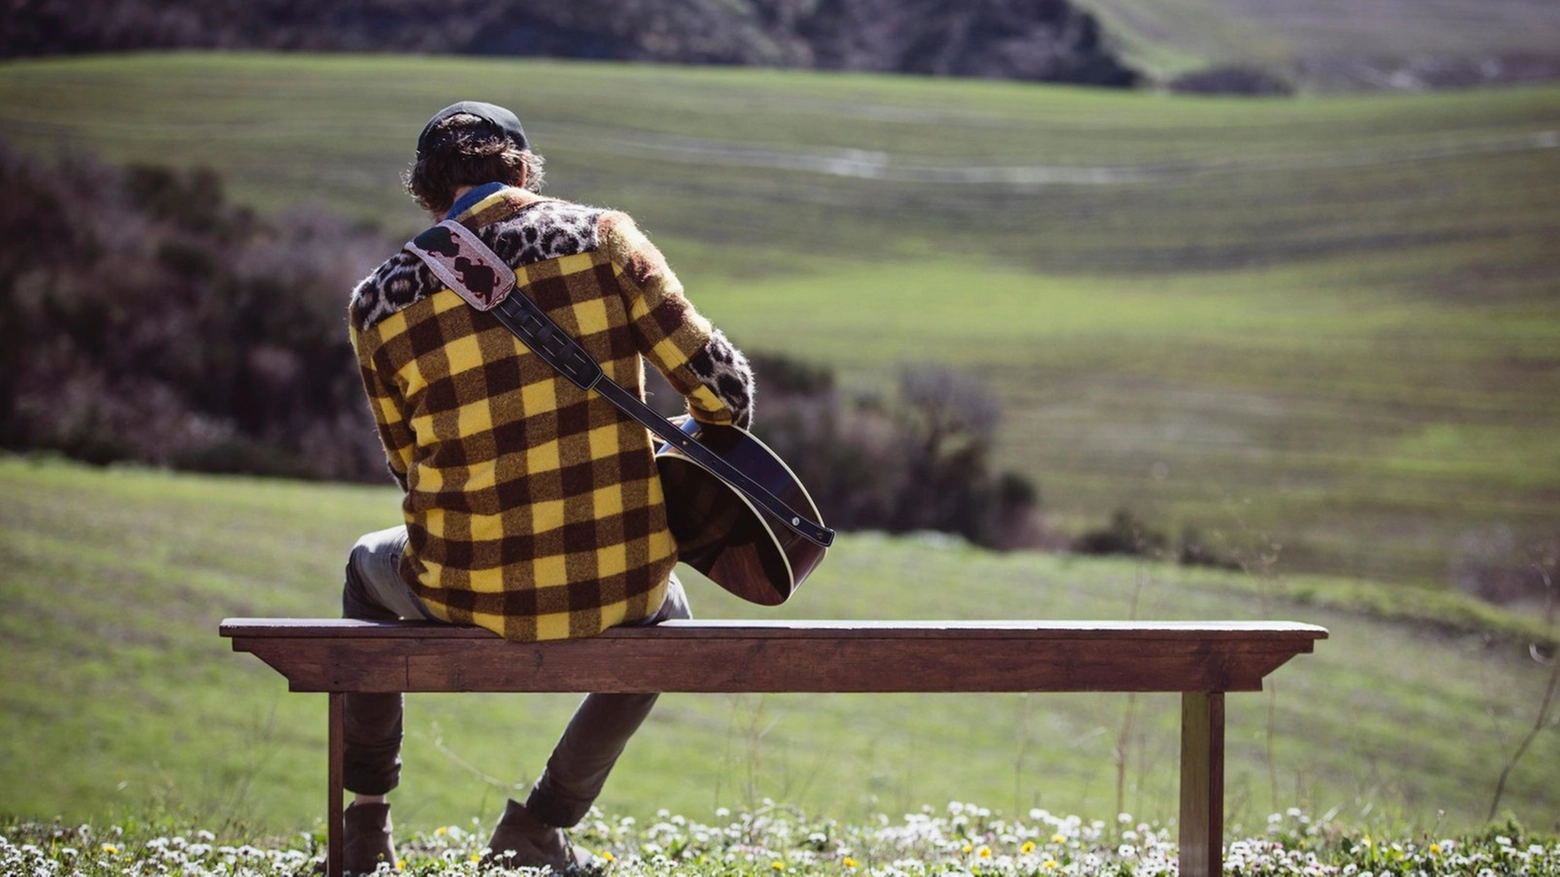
x=120, y=698
x=1330, y=324
x=1338, y=45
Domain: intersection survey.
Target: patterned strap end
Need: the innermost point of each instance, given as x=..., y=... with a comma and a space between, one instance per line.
x=463, y=263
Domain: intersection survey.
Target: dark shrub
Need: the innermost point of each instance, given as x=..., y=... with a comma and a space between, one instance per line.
x=1233, y=80
x=1125, y=534
x=142, y=317
x=917, y=462
x=1196, y=551
x=242, y=456
x=1493, y=564
x=785, y=376
x=1130, y=536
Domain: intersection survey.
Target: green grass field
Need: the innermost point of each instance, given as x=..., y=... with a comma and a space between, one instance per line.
x=120, y=700
x=1326, y=323
x=1309, y=41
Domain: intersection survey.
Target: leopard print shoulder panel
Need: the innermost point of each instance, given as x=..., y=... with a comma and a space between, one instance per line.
x=540, y=231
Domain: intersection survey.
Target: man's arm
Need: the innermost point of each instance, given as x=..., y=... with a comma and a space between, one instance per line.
x=697, y=359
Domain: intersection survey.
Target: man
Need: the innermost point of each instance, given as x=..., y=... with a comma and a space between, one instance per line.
x=532, y=507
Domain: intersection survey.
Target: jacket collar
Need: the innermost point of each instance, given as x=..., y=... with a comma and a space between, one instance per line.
x=489, y=203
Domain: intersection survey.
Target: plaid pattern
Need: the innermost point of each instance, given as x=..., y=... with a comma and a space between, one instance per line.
x=533, y=509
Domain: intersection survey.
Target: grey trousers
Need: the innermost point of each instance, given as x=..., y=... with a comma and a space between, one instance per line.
x=584, y=755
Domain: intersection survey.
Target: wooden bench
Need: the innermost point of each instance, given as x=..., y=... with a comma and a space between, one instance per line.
x=1201, y=660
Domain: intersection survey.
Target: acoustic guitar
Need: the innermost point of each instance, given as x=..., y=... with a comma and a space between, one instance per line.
x=721, y=532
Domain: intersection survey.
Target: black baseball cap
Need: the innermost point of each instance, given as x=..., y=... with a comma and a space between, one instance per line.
x=499, y=122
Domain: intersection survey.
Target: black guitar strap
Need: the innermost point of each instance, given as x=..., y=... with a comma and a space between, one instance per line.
x=474, y=272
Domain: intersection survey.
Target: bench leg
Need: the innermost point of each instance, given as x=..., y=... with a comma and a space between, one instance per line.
x=333, y=839
x=1202, y=783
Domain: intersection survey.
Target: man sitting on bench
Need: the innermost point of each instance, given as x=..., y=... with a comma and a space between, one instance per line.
x=532, y=507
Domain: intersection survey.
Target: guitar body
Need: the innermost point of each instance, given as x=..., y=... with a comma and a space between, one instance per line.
x=724, y=535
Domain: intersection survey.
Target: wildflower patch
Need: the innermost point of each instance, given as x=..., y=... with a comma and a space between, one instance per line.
x=960, y=839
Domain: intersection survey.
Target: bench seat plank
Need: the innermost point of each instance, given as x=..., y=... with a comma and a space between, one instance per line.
x=345, y=628
x=781, y=656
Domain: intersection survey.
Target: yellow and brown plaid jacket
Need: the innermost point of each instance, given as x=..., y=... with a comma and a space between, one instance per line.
x=532, y=507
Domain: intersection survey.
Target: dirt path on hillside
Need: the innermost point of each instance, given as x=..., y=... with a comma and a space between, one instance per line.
x=897, y=168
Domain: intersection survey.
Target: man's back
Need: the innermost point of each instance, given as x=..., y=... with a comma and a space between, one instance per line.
x=533, y=507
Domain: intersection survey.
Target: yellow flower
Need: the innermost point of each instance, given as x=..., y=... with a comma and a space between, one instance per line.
x=111, y=849
x=1435, y=849
x=1048, y=864
x=400, y=864
x=968, y=848
x=985, y=852
x=1058, y=838
x=851, y=863
x=476, y=857
x=441, y=830
x=607, y=854
x=1027, y=848
x=777, y=865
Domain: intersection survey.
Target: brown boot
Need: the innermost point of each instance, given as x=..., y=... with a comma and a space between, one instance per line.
x=522, y=841
x=366, y=839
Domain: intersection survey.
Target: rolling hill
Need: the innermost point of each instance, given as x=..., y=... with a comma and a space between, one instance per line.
x=1380, y=45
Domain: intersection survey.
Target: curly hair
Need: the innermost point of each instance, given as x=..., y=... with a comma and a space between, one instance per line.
x=464, y=154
